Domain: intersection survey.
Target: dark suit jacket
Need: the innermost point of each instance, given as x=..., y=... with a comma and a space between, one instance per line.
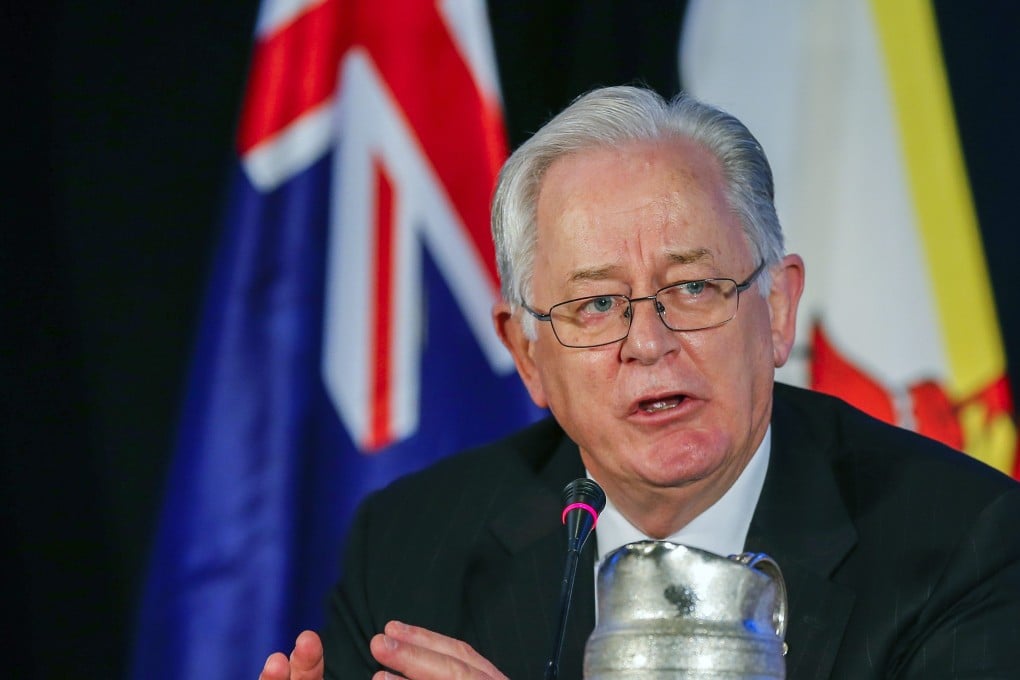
x=901, y=557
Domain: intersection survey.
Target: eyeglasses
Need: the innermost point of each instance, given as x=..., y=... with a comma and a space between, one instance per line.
x=682, y=306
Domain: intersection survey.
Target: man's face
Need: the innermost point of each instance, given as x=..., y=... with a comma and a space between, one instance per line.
x=660, y=409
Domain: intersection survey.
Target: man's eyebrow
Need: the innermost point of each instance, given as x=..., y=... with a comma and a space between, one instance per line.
x=689, y=256
x=608, y=271
x=593, y=274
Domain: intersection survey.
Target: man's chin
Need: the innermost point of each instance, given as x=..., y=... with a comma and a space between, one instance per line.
x=662, y=459
x=681, y=459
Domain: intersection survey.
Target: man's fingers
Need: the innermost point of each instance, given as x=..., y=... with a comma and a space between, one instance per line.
x=419, y=663
x=306, y=662
x=420, y=654
x=277, y=668
x=443, y=644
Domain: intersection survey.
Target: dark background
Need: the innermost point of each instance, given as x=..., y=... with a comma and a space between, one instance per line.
x=118, y=145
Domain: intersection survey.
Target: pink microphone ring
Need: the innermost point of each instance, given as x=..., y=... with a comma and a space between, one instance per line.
x=583, y=506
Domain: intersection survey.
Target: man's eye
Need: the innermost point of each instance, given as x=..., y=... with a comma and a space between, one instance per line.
x=692, y=287
x=599, y=305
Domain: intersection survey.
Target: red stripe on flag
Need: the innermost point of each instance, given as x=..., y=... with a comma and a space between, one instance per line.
x=292, y=71
x=462, y=137
x=380, y=430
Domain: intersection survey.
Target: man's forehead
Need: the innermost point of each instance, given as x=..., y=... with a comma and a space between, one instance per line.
x=600, y=209
x=638, y=183
x=658, y=207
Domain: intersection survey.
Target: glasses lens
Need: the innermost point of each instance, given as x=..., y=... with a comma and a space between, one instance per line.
x=693, y=305
x=590, y=321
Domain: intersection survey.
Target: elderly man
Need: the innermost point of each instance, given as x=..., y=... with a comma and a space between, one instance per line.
x=647, y=301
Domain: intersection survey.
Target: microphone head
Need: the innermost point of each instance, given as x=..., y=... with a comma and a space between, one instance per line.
x=583, y=500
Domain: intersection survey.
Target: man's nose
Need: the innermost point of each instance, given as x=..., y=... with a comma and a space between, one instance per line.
x=649, y=338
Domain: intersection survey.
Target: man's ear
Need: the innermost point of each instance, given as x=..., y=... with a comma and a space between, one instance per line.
x=787, y=286
x=521, y=349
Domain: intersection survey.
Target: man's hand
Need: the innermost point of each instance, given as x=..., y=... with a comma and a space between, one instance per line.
x=420, y=654
x=305, y=662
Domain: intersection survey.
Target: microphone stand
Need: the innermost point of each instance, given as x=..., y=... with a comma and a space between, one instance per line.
x=566, y=594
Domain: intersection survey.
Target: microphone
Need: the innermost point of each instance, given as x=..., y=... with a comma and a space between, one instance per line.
x=583, y=500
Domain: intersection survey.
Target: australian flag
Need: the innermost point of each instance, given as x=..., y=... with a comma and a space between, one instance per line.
x=346, y=337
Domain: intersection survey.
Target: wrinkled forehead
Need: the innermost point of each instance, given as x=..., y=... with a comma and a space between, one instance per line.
x=668, y=197
x=674, y=161
x=647, y=206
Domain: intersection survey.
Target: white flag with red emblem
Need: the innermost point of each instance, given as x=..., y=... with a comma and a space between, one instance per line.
x=849, y=99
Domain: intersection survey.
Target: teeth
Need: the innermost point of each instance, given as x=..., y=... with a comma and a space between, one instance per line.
x=661, y=405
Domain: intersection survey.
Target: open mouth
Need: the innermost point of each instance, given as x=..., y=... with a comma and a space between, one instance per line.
x=660, y=404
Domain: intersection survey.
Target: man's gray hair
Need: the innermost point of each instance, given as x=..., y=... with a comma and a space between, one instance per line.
x=610, y=117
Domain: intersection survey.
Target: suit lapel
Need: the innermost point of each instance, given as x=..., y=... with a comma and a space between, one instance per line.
x=801, y=522
x=513, y=600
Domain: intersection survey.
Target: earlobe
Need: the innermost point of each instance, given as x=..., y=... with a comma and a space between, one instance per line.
x=784, y=299
x=521, y=348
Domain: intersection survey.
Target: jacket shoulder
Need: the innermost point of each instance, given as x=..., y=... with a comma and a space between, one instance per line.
x=859, y=443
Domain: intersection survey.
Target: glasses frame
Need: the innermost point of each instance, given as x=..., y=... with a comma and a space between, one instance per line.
x=659, y=307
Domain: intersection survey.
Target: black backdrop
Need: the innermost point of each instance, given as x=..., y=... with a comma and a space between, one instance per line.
x=120, y=132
